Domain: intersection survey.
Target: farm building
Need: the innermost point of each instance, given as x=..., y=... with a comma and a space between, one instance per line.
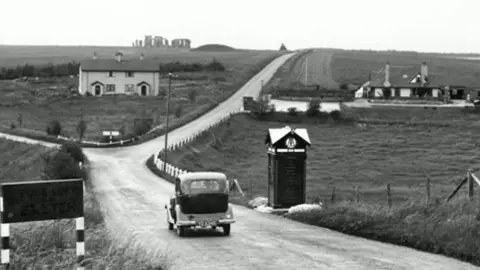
x=119, y=76
x=411, y=82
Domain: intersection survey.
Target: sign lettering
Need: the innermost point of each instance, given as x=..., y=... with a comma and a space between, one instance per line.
x=42, y=200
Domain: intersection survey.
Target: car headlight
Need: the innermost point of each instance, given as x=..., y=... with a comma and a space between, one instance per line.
x=228, y=216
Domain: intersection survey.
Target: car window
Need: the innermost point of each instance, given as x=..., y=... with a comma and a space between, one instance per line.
x=204, y=185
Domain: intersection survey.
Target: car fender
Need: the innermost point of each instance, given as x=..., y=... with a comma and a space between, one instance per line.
x=230, y=210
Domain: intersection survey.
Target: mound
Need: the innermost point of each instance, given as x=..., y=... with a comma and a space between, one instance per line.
x=214, y=48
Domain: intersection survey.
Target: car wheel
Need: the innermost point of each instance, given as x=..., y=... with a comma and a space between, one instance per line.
x=226, y=229
x=170, y=225
x=181, y=231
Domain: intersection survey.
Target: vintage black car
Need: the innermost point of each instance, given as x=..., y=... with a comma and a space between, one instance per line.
x=200, y=200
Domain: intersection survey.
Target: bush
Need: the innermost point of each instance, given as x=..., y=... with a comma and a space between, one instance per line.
x=292, y=111
x=178, y=110
x=141, y=128
x=192, y=95
x=74, y=150
x=313, y=108
x=336, y=115
x=62, y=166
x=54, y=128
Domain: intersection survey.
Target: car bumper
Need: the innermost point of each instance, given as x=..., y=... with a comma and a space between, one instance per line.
x=195, y=223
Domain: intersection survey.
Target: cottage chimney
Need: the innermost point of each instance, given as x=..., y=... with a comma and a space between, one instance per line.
x=94, y=57
x=386, y=83
x=142, y=56
x=118, y=56
x=424, y=73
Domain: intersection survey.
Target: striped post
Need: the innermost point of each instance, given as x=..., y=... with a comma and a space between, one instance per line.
x=5, y=233
x=80, y=233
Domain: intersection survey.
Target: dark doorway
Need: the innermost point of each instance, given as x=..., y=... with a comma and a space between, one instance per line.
x=98, y=90
x=143, y=90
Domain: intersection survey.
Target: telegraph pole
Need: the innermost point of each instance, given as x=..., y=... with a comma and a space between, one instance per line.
x=306, y=70
x=166, y=121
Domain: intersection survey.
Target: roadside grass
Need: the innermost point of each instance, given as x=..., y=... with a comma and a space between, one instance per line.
x=40, y=103
x=51, y=244
x=344, y=157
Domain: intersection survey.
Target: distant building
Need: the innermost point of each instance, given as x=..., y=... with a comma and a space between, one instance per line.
x=119, y=76
x=411, y=82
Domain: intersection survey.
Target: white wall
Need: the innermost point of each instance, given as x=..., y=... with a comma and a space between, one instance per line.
x=86, y=78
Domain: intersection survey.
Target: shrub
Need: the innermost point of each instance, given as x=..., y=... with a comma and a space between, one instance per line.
x=192, y=95
x=54, y=128
x=292, y=111
x=336, y=115
x=74, y=150
x=313, y=108
x=178, y=110
x=141, y=128
x=81, y=128
x=62, y=166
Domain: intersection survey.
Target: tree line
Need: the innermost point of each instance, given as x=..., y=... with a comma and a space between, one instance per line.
x=72, y=68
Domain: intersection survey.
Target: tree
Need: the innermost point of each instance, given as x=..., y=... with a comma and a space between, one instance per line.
x=20, y=119
x=313, y=108
x=62, y=166
x=74, y=150
x=192, y=95
x=81, y=129
x=283, y=48
x=178, y=110
x=54, y=128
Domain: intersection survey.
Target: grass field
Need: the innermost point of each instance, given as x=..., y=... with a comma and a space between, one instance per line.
x=51, y=244
x=329, y=68
x=345, y=156
x=41, y=102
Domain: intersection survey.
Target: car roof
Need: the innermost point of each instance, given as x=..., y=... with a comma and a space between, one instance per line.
x=202, y=175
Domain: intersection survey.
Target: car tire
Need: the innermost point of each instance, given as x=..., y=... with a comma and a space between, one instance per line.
x=181, y=231
x=226, y=229
x=170, y=225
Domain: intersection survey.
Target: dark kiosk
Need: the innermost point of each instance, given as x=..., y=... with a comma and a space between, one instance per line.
x=287, y=167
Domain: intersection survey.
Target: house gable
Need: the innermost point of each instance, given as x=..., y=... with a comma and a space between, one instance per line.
x=143, y=83
x=96, y=82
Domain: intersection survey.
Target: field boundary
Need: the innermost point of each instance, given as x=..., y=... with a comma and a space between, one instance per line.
x=155, y=132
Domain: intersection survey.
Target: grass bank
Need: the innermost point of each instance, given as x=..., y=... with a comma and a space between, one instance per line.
x=51, y=244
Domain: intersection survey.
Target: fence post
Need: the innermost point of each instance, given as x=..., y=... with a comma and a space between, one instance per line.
x=428, y=189
x=357, y=195
x=389, y=196
x=332, y=197
x=470, y=184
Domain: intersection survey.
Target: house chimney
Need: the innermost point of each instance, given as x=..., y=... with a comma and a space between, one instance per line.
x=386, y=83
x=118, y=56
x=424, y=73
x=142, y=56
x=94, y=57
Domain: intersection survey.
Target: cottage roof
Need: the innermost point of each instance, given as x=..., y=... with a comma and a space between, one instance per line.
x=403, y=76
x=123, y=65
x=276, y=134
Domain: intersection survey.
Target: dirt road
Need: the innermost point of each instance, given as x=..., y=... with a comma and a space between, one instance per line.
x=133, y=198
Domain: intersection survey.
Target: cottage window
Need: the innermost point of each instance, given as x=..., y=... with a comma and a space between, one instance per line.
x=111, y=74
x=129, y=88
x=110, y=88
x=129, y=74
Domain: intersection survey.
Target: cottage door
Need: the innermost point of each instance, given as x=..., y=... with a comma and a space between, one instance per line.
x=98, y=90
x=143, y=90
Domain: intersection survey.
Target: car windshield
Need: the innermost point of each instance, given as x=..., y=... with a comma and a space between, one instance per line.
x=202, y=186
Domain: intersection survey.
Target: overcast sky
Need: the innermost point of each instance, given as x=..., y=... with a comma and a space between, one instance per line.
x=421, y=25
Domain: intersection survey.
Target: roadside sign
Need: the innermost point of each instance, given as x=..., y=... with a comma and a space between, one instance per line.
x=40, y=201
x=110, y=133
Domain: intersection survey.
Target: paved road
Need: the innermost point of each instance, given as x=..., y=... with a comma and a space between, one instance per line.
x=133, y=199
